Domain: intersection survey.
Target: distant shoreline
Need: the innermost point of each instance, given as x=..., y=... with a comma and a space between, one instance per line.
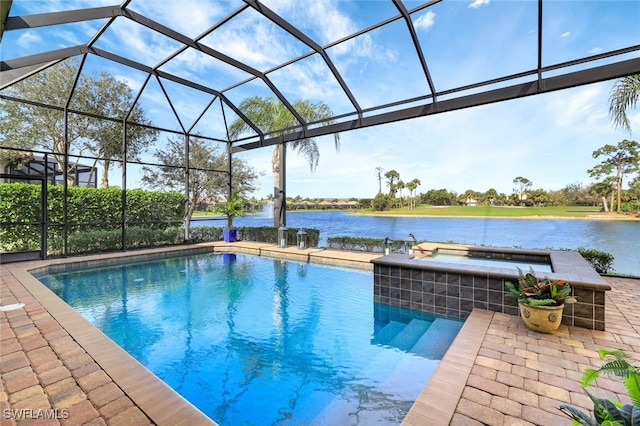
x=603, y=216
x=595, y=216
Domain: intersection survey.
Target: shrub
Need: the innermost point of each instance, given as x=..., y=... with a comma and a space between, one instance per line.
x=269, y=234
x=202, y=234
x=631, y=207
x=107, y=240
x=93, y=211
x=601, y=261
x=380, y=202
x=374, y=245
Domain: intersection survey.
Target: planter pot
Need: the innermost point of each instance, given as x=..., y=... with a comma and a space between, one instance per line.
x=230, y=235
x=543, y=319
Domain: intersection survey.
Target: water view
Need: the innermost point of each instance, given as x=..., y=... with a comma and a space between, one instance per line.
x=620, y=238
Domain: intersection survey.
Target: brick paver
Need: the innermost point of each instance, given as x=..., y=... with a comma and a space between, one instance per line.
x=36, y=357
x=552, y=368
x=519, y=377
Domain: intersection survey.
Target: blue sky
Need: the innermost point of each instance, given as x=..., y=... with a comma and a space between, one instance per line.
x=547, y=138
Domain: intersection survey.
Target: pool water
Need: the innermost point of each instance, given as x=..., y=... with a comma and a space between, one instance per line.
x=488, y=261
x=252, y=340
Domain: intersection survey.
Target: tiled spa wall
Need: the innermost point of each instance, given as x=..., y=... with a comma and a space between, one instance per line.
x=454, y=292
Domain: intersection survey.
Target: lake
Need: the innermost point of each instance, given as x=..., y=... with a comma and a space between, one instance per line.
x=620, y=238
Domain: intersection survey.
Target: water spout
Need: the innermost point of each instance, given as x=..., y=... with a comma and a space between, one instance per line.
x=267, y=210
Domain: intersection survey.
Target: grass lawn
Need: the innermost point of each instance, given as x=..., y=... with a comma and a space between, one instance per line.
x=494, y=211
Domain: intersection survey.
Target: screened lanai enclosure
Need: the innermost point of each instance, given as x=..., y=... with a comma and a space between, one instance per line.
x=118, y=118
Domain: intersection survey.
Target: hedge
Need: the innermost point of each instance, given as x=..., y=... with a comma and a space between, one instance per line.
x=374, y=245
x=93, y=212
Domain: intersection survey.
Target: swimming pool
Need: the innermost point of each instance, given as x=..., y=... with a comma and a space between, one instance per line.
x=254, y=340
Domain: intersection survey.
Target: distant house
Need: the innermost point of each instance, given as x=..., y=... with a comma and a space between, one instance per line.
x=471, y=201
x=36, y=169
x=338, y=204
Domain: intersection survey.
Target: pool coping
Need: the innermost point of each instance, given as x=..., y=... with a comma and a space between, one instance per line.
x=145, y=389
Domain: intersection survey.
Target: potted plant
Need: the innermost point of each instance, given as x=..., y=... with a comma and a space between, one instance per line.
x=541, y=301
x=231, y=208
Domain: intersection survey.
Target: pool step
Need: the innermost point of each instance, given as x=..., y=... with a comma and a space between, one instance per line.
x=406, y=338
x=408, y=377
x=388, y=332
x=436, y=340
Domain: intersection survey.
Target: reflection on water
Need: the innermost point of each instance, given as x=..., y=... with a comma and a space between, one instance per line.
x=620, y=238
x=252, y=340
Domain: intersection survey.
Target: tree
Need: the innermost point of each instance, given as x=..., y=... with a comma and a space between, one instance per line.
x=380, y=202
x=208, y=178
x=412, y=186
x=490, y=196
x=392, y=177
x=379, y=171
x=576, y=194
x=112, y=98
x=624, y=96
x=522, y=184
x=269, y=114
x=539, y=197
x=400, y=186
x=634, y=187
x=622, y=158
x=602, y=189
x=28, y=126
x=439, y=197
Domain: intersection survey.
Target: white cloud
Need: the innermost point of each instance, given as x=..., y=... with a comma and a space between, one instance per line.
x=577, y=107
x=28, y=39
x=565, y=34
x=191, y=17
x=478, y=3
x=331, y=24
x=595, y=51
x=425, y=21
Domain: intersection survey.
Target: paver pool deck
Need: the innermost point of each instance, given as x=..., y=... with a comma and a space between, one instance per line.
x=58, y=369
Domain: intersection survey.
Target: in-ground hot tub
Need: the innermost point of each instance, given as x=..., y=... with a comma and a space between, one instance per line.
x=463, y=255
x=421, y=282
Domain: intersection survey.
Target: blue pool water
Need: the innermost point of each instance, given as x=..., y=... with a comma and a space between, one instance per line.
x=253, y=340
x=481, y=261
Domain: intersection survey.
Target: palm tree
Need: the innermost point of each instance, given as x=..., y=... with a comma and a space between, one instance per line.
x=412, y=186
x=400, y=186
x=624, y=96
x=602, y=189
x=270, y=115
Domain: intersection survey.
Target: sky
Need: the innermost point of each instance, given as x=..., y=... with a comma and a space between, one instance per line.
x=548, y=139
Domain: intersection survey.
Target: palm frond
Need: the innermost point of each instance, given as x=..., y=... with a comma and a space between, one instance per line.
x=632, y=383
x=623, y=97
x=588, y=376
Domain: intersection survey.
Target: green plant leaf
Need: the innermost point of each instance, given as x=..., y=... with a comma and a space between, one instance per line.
x=589, y=376
x=578, y=416
x=632, y=383
x=617, y=353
